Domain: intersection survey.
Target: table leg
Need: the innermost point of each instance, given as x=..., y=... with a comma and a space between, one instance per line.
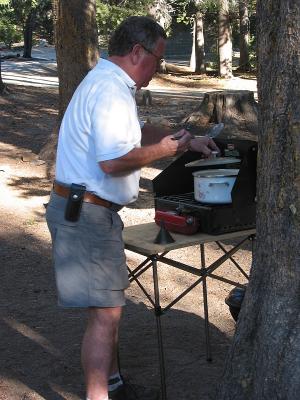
x=158, y=314
x=205, y=303
x=252, y=238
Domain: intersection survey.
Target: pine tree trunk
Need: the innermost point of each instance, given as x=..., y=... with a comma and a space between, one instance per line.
x=264, y=360
x=76, y=45
x=77, y=52
x=2, y=85
x=225, y=41
x=244, y=64
x=28, y=32
x=197, y=62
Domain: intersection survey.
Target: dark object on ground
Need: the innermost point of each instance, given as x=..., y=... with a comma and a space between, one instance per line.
x=234, y=301
x=10, y=56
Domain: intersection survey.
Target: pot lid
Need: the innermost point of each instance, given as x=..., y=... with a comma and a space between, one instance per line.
x=203, y=162
x=216, y=173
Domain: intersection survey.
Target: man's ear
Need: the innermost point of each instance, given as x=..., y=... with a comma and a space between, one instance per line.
x=136, y=53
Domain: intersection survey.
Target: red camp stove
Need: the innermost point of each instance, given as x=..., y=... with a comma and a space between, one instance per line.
x=175, y=222
x=176, y=207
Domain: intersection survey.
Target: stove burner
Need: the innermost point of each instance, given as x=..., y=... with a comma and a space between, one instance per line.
x=186, y=202
x=212, y=218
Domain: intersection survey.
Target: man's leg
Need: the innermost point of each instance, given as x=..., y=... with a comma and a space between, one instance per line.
x=99, y=348
x=114, y=367
x=115, y=379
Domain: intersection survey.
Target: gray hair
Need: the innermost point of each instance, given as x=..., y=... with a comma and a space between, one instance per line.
x=134, y=30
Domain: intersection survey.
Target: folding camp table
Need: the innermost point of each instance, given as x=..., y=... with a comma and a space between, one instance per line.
x=140, y=239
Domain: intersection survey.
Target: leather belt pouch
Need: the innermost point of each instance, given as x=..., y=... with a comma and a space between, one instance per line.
x=74, y=202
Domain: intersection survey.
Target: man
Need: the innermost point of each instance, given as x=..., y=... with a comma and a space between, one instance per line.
x=102, y=148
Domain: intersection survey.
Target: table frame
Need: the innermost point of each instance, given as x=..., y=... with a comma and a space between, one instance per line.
x=140, y=239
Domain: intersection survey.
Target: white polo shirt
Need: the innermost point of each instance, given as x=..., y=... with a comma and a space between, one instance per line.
x=100, y=123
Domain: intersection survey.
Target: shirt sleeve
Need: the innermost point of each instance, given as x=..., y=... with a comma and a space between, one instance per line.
x=115, y=126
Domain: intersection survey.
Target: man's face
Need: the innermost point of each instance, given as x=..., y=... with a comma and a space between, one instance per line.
x=150, y=61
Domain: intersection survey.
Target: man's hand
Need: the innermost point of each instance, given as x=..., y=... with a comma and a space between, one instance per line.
x=204, y=145
x=138, y=157
x=177, y=143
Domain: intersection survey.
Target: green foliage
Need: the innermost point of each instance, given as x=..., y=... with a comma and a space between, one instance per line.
x=111, y=13
x=13, y=16
x=186, y=9
x=44, y=21
x=9, y=33
x=183, y=11
x=22, y=8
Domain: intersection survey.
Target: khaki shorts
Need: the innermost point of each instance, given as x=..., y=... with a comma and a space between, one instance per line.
x=88, y=256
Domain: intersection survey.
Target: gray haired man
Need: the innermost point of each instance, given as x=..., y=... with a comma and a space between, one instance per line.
x=101, y=150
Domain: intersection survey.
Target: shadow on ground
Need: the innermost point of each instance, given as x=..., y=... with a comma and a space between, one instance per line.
x=40, y=343
x=28, y=117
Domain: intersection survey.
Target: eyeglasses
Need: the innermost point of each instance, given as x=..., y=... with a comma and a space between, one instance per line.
x=158, y=59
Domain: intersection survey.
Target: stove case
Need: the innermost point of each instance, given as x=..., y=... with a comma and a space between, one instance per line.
x=174, y=196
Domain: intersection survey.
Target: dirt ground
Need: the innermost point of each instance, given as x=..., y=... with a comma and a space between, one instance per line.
x=40, y=343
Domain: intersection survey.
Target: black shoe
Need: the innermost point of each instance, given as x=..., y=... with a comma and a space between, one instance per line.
x=128, y=391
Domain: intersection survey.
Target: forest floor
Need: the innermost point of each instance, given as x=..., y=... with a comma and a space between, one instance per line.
x=40, y=343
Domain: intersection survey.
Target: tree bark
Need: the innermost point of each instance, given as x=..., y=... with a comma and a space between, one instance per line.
x=161, y=10
x=2, y=85
x=76, y=43
x=264, y=360
x=225, y=41
x=28, y=32
x=244, y=64
x=197, y=62
x=236, y=109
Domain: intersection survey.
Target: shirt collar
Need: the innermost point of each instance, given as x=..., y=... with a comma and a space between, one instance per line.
x=121, y=73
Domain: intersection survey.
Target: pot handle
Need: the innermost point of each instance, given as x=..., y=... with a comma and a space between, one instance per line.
x=218, y=183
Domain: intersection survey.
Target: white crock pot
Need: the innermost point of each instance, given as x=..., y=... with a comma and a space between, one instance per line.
x=214, y=186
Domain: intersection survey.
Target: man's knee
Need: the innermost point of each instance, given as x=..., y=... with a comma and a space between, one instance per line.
x=109, y=316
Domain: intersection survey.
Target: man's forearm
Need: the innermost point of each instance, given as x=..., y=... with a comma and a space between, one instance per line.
x=135, y=159
x=164, y=146
x=153, y=134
